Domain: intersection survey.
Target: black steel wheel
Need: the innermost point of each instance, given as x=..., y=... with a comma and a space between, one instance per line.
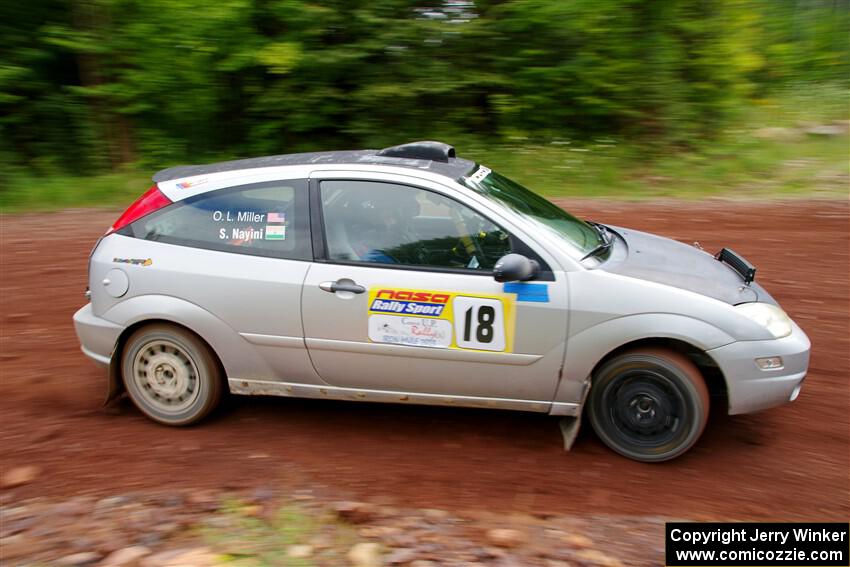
x=650, y=405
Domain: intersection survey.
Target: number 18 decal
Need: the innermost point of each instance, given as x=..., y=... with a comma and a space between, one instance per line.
x=479, y=323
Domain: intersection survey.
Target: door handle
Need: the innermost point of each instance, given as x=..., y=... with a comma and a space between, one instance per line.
x=349, y=286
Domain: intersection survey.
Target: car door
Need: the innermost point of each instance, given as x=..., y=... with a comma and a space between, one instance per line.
x=402, y=298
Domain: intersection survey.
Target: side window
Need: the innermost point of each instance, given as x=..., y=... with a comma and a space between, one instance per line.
x=263, y=219
x=396, y=224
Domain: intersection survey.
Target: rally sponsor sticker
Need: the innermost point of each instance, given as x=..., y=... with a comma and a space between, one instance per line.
x=531, y=292
x=441, y=319
x=191, y=183
x=411, y=331
x=134, y=261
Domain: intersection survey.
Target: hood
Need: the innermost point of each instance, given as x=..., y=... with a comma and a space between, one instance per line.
x=666, y=261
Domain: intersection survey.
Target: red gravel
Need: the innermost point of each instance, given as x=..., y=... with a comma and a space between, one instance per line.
x=788, y=463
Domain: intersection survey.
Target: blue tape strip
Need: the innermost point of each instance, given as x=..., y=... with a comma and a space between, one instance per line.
x=534, y=292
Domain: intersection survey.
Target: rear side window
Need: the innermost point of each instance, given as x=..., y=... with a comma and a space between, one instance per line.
x=263, y=219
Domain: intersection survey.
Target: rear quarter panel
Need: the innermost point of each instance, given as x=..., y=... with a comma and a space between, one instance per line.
x=247, y=308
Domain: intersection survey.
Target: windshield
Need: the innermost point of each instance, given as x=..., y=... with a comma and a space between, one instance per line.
x=579, y=234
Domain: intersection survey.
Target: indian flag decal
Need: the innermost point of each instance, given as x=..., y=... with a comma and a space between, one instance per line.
x=275, y=232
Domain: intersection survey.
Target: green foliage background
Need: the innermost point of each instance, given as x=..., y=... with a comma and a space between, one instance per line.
x=91, y=86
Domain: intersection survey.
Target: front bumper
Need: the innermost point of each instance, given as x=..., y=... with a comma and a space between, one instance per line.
x=750, y=388
x=97, y=336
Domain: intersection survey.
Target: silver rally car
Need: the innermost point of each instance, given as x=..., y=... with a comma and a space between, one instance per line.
x=411, y=275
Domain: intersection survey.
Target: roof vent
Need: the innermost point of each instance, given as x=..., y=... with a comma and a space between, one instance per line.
x=434, y=151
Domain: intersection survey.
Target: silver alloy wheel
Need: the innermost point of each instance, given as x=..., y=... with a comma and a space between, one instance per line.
x=166, y=376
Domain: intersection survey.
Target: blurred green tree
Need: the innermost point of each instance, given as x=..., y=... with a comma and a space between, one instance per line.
x=91, y=85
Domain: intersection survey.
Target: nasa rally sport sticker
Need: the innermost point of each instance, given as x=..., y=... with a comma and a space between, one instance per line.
x=440, y=319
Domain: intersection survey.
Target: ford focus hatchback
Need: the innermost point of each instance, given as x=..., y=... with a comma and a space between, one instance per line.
x=410, y=275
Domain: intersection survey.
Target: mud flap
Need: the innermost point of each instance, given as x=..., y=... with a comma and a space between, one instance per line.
x=570, y=425
x=114, y=387
x=569, y=429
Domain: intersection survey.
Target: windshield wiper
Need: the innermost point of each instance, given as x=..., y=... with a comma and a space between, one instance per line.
x=606, y=240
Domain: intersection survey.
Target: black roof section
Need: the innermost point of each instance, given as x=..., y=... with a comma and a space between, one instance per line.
x=435, y=157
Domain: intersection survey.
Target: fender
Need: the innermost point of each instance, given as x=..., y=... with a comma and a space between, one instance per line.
x=235, y=353
x=586, y=348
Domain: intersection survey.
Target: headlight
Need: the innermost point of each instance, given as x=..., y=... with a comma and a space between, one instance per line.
x=771, y=317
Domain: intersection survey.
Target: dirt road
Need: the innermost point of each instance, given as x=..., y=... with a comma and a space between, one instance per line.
x=788, y=463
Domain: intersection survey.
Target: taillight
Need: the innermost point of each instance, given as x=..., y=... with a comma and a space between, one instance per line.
x=151, y=201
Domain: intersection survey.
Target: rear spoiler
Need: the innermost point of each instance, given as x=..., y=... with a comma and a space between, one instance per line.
x=737, y=263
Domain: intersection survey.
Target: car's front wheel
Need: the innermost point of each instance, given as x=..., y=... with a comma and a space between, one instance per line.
x=171, y=374
x=649, y=404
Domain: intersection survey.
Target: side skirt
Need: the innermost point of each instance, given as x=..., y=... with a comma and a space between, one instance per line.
x=288, y=389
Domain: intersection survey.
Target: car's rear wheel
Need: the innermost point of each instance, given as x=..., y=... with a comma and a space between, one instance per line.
x=170, y=374
x=649, y=404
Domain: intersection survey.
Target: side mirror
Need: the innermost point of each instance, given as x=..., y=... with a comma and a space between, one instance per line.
x=515, y=268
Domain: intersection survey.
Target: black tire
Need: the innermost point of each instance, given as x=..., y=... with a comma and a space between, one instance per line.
x=650, y=405
x=171, y=375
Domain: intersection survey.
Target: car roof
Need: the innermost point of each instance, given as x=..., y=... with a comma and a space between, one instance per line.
x=435, y=157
